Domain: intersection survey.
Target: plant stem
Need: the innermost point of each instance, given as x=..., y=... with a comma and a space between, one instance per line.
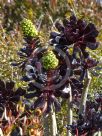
x=46, y=126
x=99, y=133
x=84, y=93
x=70, y=114
x=53, y=123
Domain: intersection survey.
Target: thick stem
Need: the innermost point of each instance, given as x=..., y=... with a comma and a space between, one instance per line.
x=46, y=126
x=1, y=133
x=53, y=123
x=50, y=124
x=99, y=133
x=70, y=114
x=84, y=93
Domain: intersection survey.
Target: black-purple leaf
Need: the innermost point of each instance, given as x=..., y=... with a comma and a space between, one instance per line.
x=22, y=54
x=15, y=98
x=20, y=91
x=59, y=27
x=66, y=22
x=82, y=76
x=16, y=132
x=10, y=85
x=16, y=63
x=73, y=20
x=90, y=30
x=92, y=46
x=25, y=78
x=39, y=103
x=32, y=87
x=2, y=85
x=32, y=95
x=56, y=103
x=54, y=34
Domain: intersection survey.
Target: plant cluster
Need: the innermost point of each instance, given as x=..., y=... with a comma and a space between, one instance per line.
x=74, y=34
x=9, y=97
x=55, y=70
x=90, y=121
x=15, y=120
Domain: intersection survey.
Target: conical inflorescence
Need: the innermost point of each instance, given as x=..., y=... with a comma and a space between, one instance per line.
x=28, y=28
x=49, y=60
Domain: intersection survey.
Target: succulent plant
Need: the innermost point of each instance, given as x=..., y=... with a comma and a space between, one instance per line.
x=76, y=34
x=9, y=97
x=28, y=28
x=32, y=41
x=45, y=70
x=49, y=60
x=91, y=119
x=75, y=31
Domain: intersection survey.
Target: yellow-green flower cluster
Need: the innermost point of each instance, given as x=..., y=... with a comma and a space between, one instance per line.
x=49, y=60
x=28, y=28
